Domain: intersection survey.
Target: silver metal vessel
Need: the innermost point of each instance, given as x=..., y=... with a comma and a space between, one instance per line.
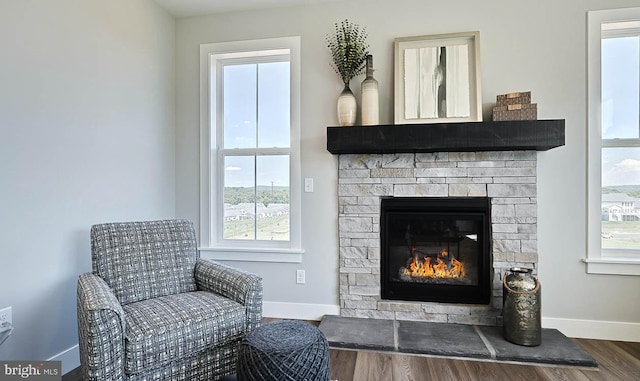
x=521, y=308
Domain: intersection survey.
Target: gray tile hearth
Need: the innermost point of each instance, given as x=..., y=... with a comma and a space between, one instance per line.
x=348, y=332
x=439, y=339
x=451, y=340
x=556, y=348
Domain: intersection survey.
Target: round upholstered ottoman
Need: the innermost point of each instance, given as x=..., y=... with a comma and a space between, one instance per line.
x=284, y=350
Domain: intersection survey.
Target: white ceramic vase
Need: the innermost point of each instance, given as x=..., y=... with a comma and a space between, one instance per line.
x=370, y=107
x=347, y=107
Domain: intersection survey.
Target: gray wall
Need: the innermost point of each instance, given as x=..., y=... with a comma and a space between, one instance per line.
x=86, y=136
x=537, y=46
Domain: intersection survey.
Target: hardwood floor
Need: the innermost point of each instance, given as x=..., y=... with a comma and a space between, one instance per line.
x=617, y=360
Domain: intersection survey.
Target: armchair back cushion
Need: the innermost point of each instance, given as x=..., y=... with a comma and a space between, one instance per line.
x=144, y=260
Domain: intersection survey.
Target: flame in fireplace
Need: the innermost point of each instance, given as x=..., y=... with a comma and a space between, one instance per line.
x=442, y=268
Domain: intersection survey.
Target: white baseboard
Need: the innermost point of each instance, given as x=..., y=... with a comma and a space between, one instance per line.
x=70, y=359
x=302, y=311
x=584, y=329
x=595, y=329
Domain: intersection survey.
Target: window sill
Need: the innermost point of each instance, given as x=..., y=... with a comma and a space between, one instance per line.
x=613, y=266
x=252, y=254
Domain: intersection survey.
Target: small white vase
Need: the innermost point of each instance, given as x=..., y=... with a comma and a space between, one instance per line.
x=370, y=107
x=347, y=107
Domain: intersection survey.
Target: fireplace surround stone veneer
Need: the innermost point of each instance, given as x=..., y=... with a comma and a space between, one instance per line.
x=507, y=178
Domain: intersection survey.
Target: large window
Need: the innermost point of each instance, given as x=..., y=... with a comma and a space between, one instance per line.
x=250, y=201
x=614, y=141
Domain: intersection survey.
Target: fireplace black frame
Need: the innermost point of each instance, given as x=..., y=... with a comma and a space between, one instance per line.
x=479, y=208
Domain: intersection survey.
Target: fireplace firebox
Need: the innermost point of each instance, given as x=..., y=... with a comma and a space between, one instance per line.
x=436, y=249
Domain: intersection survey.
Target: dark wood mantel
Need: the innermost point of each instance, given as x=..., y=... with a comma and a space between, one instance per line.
x=538, y=135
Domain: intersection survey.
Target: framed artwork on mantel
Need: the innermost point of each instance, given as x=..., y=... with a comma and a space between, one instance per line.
x=437, y=79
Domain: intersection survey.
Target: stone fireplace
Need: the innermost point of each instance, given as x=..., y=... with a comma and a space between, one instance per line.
x=506, y=180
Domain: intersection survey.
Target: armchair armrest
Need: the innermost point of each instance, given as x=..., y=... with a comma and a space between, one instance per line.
x=101, y=330
x=240, y=286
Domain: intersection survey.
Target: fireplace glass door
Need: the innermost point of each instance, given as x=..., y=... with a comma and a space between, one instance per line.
x=435, y=249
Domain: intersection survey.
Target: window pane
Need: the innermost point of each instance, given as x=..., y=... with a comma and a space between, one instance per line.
x=274, y=104
x=620, y=198
x=273, y=198
x=239, y=197
x=620, y=87
x=239, y=100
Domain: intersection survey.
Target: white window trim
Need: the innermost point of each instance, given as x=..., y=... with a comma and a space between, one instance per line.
x=596, y=263
x=211, y=247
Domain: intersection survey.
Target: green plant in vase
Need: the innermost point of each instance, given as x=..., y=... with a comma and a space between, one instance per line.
x=349, y=52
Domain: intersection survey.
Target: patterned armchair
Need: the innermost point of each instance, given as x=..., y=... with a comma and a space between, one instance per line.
x=151, y=309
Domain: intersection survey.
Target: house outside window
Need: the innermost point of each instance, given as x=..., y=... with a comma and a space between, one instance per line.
x=250, y=157
x=614, y=142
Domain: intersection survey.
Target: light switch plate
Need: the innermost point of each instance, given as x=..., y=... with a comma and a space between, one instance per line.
x=308, y=185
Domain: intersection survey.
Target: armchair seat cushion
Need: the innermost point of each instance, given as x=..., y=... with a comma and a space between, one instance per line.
x=178, y=326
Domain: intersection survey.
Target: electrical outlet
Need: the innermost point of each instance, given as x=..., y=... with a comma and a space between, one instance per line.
x=5, y=315
x=300, y=276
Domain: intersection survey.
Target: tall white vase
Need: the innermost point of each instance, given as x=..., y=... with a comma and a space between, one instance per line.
x=347, y=107
x=370, y=107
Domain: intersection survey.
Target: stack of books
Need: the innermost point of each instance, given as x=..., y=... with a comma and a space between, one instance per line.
x=515, y=106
